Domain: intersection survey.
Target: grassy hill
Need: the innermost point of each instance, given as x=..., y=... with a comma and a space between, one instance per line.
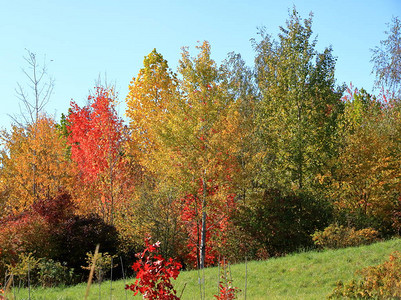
x=306, y=275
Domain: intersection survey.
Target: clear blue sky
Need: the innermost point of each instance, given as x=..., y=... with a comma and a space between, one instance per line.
x=87, y=38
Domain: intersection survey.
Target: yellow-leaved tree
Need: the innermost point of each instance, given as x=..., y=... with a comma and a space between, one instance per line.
x=202, y=137
x=151, y=95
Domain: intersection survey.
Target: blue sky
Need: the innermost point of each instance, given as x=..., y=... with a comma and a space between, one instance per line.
x=87, y=38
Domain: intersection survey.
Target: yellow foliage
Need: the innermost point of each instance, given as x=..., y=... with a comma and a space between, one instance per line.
x=34, y=164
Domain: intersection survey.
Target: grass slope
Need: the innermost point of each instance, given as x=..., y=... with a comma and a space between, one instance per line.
x=307, y=275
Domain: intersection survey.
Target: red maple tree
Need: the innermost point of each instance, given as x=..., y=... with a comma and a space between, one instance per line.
x=96, y=139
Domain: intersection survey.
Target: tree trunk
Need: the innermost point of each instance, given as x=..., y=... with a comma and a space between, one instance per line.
x=203, y=233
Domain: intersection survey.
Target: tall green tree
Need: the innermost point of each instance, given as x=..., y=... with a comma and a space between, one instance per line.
x=300, y=104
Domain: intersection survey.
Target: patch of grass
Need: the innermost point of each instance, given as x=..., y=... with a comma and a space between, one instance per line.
x=306, y=275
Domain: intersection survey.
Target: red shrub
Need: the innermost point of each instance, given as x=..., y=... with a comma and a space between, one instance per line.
x=154, y=274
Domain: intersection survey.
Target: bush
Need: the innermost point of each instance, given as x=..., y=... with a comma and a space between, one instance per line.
x=154, y=274
x=282, y=223
x=33, y=229
x=24, y=268
x=379, y=282
x=22, y=234
x=52, y=273
x=80, y=235
x=43, y=271
x=334, y=237
x=103, y=264
x=51, y=230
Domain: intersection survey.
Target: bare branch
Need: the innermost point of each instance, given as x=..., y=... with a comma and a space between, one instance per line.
x=32, y=103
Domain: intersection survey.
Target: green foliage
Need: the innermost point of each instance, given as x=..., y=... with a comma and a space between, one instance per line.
x=282, y=223
x=104, y=263
x=53, y=273
x=306, y=275
x=297, y=115
x=25, y=265
x=334, y=237
x=43, y=271
x=378, y=282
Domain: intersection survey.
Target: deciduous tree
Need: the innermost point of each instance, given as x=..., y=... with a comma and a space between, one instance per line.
x=33, y=163
x=299, y=107
x=97, y=137
x=387, y=59
x=202, y=136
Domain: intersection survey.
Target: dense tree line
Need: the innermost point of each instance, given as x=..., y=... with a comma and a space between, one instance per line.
x=216, y=160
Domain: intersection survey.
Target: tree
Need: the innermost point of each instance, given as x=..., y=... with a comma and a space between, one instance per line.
x=239, y=80
x=366, y=182
x=33, y=102
x=151, y=95
x=387, y=59
x=33, y=163
x=41, y=86
x=148, y=100
x=97, y=136
x=201, y=135
x=186, y=144
x=300, y=103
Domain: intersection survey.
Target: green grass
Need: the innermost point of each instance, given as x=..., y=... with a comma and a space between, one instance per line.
x=306, y=275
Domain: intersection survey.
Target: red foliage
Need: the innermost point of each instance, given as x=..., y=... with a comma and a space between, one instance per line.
x=96, y=137
x=55, y=209
x=26, y=232
x=227, y=292
x=95, y=134
x=154, y=274
x=217, y=221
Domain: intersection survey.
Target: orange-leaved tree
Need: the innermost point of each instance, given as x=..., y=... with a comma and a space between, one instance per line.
x=366, y=182
x=34, y=164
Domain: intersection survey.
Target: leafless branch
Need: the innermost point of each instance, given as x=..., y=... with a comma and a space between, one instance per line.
x=40, y=88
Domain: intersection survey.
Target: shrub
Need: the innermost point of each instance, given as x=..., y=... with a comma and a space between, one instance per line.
x=56, y=209
x=334, y=237
x=22, y=234
x=226, y=289
x=79, y=235
x=379, y=282
x=154, y=274
x=43, y=271
x=33, y=229
x=102, y=266
x=50, y=229
x=282, y=223
x=53, y=273
x=25, y=267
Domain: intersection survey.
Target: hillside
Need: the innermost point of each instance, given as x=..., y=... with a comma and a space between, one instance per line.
x=306, y=275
